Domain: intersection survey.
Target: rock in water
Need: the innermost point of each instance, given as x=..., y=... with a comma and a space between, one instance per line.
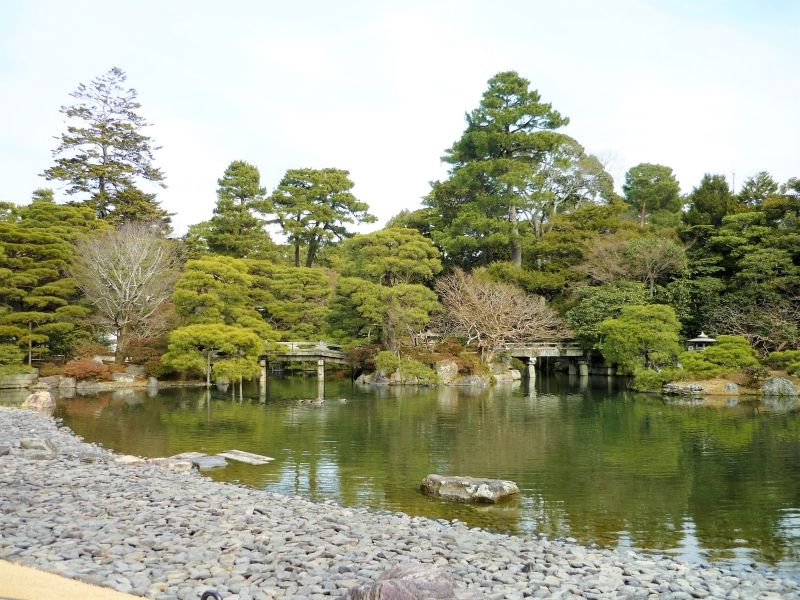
x=39, y=400
x=468, y=489
x=447, y=370
x=778, y=386
x=209, y=462
x=407, y=581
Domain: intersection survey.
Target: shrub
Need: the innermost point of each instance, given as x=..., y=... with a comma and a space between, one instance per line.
x=389, y=362
x=469, y=363
x=86, y=369
x=753, y=374
x=788, y=360
x=48, y=369
x=90, y=349
x=647, y=380
x=730, y=354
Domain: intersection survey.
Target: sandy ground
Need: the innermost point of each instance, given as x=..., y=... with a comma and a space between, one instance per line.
x=24, y=583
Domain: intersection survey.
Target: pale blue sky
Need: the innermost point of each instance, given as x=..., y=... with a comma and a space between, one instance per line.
x=381, y=88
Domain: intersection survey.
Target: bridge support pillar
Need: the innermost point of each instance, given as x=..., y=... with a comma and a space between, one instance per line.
x=583, y=368
x=532, y=368
x=320, y=379
x=572, y=368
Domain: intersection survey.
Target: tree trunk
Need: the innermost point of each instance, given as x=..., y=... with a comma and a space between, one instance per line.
x=642, y=214
x=208, y=369
x=297, y=253
x=122, y=345
x=516, y=248
x=30, y=345
x=312, y=253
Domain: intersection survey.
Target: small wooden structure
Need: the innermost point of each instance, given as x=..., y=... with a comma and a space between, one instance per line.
x=701, y=342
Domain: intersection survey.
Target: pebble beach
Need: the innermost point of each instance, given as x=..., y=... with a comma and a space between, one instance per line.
x=72, y=508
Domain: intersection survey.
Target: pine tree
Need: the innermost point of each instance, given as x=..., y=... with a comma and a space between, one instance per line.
x=235, y=230
x=105, y=154
x=313, y=207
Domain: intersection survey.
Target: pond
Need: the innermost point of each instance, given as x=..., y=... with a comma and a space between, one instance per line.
x=698, y=480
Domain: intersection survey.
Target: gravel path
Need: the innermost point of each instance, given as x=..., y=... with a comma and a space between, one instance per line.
x=69, y=508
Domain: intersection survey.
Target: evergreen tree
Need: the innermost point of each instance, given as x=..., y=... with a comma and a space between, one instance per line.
x=756, y=189
x=649, y=188
x=104, y=153
x=40, y=308
x=220, y=328
x=313, y=207
x=293, y=300
x=710, y=202
x=234, y=230
x=498, y=156
x=391, y=256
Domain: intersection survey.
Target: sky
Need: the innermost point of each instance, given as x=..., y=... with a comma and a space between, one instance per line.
x=381, y=88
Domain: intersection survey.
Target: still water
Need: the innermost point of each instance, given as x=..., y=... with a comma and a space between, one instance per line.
x=702, y=481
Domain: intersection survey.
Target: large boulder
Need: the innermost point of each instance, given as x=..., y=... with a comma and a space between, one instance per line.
x=39, y=400
x=683, y=389
x=447, y=370
x=468, y=489
x=477, y=381
x=407, y=581
x=136, y=370
x=122, y=377
x=374, y=378
x=504, y=374
x=778, y=386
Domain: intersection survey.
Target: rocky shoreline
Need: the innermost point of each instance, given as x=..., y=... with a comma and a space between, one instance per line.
x=68, y=507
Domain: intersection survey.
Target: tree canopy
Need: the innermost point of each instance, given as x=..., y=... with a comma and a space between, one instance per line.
x=313, y=207
x=104, y=152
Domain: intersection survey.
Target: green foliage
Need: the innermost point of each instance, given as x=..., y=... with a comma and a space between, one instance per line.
x=598, y=303
x=313, y=207
x=357, y=310
x=646, y=380
x=507, y=140
x=10, y=359
x=730, y=354
x=236, y=349
x=649, y=188
x=710, y=202
x=641, y=337
x=756, y=189
x=364, y=310
x=40, y=308
x=104, y=152
x=294, y=300
x=235, y=230
x=408, y=368
x=786, y=360
x=215, y=289
x=391, y=256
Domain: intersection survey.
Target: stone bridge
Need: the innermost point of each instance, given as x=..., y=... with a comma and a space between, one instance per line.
x=528, y=353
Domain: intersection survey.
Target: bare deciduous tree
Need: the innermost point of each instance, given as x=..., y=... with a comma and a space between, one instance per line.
x=646, y=259
x=128, y=275
x=493, y=315
x=769, y=326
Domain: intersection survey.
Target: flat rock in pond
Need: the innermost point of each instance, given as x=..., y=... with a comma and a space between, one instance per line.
x=468, y=489
x=188, y=455
x=209, y=462
x=246, y=457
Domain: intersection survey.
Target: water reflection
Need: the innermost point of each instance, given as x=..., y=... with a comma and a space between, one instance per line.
x=699, y=480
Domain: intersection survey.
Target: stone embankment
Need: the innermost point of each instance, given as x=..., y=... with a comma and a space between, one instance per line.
x=69, y=508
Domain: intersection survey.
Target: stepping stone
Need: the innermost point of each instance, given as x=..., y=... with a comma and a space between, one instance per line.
x=188, y=455
x=246, y=457
x=209, y=462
